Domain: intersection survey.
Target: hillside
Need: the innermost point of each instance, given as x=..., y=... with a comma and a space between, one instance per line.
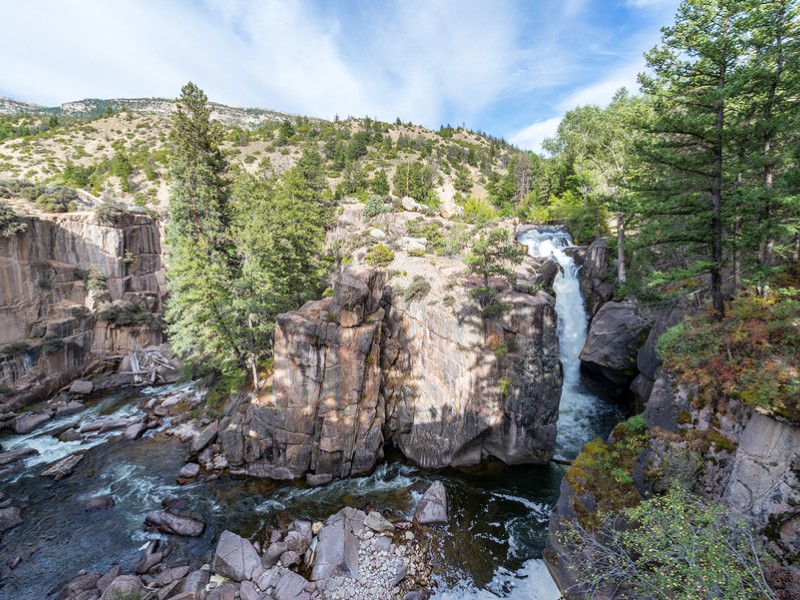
x=119, y=147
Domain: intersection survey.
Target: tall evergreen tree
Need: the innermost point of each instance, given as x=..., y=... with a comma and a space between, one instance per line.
x=691, y=83
x=200, y=267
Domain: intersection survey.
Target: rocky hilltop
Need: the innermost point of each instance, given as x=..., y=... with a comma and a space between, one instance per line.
x=94, y=107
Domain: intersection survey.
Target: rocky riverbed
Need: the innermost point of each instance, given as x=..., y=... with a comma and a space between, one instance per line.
x=354, y=555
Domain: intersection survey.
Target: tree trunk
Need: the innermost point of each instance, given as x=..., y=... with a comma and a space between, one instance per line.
x=716, y=200
x=621, y=275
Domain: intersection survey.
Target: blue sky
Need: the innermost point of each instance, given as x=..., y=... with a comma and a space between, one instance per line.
x=509, y=68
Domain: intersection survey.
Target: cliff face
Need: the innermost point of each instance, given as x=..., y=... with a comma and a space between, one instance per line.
x=49, y=290
x=368, y=367
x=730, y=453
x=451, y=400
x=750, y=461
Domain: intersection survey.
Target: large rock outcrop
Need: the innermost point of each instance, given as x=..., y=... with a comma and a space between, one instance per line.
x=325, y=413
x=373, y=365
x=49, y=290
x=726, y=450
x=615, y=335
x=453, y=395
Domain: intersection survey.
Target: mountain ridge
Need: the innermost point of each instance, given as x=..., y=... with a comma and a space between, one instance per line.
x=94, y=107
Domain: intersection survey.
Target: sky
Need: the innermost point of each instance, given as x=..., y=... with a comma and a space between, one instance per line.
x=510, y=68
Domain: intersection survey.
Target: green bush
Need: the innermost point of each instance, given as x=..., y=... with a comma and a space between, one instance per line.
x=15, y=347
x=10, y=223
x=417, y=289
x=375, y=206
x=379, y=256
x=676, y=546
x=52, y=344
x=124, y=313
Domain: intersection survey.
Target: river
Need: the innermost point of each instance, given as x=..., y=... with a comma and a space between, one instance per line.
x=498, y=514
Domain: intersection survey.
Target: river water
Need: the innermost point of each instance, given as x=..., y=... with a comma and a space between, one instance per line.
x=498, y=514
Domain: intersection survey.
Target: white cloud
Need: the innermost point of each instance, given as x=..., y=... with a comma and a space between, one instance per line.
x=532, y=136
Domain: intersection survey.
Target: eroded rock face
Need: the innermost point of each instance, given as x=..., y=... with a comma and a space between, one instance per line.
x=46, y=303
x=615, y=335
x=366, y=366
x=593, y=263
x=325, y=414
x=451, y=401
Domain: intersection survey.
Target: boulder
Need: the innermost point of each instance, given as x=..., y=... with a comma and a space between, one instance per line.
x=69, y=408
x=64, y=467
x=81, y=583
x=297, y=541
x=12, y=456
x=290, y=559
x=314, y=480
x=29, y=421
x=235, y=557
x=108, y=577
x=9, y=518
x=291, y=586
x=337, y=548
x=248, y=591
x=170, y=523
x=81, y=387
x=98, y=503
x=449, y=209
x=356, y=293
x=410, y=205
x=189, y=471
x=122, y=586
x=134, y=431
x=273, y=554
x=376, y=522
x=196, y=583
x=412, y=244
x=432, y=507
x=205, y=437
x=615, y=335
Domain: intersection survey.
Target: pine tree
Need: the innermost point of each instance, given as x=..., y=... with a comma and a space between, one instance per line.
x=490, y=259
x=200, y=267
x=691, y=84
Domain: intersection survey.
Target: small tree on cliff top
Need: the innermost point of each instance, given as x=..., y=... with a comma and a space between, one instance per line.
x=491, y=257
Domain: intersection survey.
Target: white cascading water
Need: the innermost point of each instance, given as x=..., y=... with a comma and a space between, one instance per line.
x=580, y=410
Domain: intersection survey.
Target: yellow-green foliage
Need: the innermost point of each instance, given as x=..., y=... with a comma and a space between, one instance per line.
x=752, y=355
x=604, y=470
x=379, y=256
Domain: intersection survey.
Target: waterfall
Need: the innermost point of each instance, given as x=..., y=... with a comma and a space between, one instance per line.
x=580, y=410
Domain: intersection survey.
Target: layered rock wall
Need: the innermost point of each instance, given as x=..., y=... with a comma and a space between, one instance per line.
x=368, y=367
x=47, y=308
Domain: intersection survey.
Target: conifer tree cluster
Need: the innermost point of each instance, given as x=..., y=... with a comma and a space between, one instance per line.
x=241, y=249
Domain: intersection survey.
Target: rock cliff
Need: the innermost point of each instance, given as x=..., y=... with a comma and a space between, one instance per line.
x=54, y=278
x=372, y=365
x=728, y=452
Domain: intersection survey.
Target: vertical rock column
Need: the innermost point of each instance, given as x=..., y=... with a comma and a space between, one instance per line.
x=325, y=413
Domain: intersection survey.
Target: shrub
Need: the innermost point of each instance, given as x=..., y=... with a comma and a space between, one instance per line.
x=10, y=223
x=124, y=313
x=108, y=213
x=15, y=347
x=752, y=355
x=375, y=206
x=417, y=289
x=52, y=344
x=676, y=546
x=478, y=210
x=379, y=256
